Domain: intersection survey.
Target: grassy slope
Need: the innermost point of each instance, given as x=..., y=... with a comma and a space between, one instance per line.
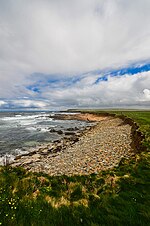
x=117, y=197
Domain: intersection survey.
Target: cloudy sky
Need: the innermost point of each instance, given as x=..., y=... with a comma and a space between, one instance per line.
x=59, y=54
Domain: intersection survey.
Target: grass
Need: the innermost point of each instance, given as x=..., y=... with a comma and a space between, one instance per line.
x=114, y=197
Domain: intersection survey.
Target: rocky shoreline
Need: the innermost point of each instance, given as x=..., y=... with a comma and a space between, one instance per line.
x=97, y=148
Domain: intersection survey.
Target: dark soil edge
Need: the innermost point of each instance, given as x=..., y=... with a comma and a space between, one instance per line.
x=136, y=135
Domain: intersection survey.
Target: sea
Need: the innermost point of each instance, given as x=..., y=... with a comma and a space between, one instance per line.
x=22, y=131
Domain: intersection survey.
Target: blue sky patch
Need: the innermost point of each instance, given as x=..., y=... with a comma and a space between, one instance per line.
x=101, y=79
x=132, y=70
x=52, y=81
x=33, y=88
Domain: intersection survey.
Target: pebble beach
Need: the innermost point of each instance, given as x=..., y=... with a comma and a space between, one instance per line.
x=100, y=147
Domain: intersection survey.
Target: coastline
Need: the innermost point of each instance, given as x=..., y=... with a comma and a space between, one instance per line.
x=114, y=195
x=97, y=148
x=79, y=116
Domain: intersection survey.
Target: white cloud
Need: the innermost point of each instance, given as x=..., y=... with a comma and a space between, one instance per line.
x=70, y=37
x=118, y=91
x=2, y=103
x=29, y=103
x=146, y=94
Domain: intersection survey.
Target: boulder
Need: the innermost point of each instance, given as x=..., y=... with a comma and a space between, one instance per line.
x=52, y=130
x=59, y=132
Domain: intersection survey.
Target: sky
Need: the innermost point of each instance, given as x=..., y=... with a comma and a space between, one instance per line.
x=60, y=54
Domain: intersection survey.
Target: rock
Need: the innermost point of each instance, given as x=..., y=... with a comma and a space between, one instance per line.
x=16, y=164
x=31, y=153
x=28, y=161
x=44, y=151
x=73, y=129
x=57, y=149
x=99, y=148
x=36, y=157
x=56, y=141
x=53, y=131
x=59, y=132
x=18, y=157
x=68, y=133
x=74, y=138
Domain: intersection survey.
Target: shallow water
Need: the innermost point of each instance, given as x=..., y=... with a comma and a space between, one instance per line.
x=20, y=131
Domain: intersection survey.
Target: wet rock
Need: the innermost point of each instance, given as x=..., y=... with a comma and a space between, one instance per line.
x=56, y=141
x=57, y=149
x=68, y=133
x=38, y=129
x=53, y=131
x=74, y=138
x=73, y=129
x=30, y=153
x=59, y=132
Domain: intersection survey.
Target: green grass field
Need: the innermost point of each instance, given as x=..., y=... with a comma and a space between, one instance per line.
x=116, y=197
